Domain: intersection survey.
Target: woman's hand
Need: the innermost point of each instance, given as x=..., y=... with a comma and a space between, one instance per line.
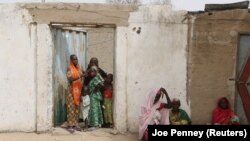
x=72, y=79
x=97, y=87
x=169, y=103
x=163, y=91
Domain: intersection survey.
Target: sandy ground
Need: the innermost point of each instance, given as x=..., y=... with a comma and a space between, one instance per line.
x=59, y=134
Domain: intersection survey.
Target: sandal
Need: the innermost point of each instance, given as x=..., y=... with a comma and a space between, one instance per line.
x=71, y=130
x=77, y=128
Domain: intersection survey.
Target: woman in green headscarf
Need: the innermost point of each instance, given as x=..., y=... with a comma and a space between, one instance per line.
x=95, y=116
x=178, y=116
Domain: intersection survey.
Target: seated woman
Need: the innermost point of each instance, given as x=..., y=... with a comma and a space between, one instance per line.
x=223, y=114
x=178, y=116
x=154, y=111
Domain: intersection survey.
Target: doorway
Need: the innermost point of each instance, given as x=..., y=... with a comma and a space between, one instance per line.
x=242, y=103
x=86, y=42
x=67, y=41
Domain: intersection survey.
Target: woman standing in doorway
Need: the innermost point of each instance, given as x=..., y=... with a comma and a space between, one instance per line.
x=75, y=76
x=94, y=62
x=95, y=112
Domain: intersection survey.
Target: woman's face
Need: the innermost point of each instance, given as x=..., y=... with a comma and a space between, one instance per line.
x=109, y=79
x=176, y=105
x=93, y=62
x=223, y=103
x=74, y=60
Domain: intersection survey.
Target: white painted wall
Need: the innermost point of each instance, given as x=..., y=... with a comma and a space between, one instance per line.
x=78, y=1
x=26, y=72
x=19, y=1
x=190, y=5
x=156, y=57
x=17, y=77
x=120, y=79
x=44, y=60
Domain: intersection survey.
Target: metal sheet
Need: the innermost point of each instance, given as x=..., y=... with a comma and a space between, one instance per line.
x=243, y=71
x=66, y=42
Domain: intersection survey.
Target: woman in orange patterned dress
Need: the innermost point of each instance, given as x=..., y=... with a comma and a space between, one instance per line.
x=75, y=76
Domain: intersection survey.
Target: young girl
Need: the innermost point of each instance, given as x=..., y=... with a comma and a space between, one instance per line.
x=95, y=118
x=85, y=105
x=107, y=101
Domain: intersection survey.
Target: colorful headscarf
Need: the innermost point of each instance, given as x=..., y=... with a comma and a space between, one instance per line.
x=222, y=116
x=77, y=84
x=148, y=110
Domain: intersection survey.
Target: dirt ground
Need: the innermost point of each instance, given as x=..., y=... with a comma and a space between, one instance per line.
x=62, y=135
